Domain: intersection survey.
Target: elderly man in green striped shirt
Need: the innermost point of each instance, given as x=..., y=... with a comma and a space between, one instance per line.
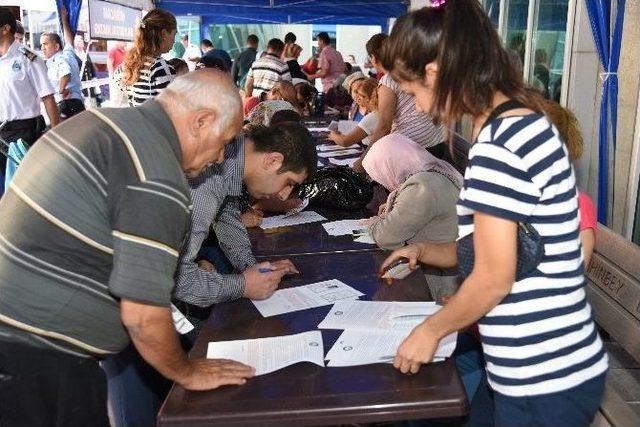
x=89, y=239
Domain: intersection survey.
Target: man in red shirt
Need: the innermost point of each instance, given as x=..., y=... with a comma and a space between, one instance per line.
x=115, y=57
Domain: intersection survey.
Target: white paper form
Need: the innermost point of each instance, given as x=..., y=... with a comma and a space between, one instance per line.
x=343, y=227
x=266, y=355
x=357, y=347
x=303, y=297
x=378, y=315
x=343, y=162
x=286, y=221
x=338, y=153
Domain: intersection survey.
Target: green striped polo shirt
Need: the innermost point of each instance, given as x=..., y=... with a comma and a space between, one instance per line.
x=97, y=212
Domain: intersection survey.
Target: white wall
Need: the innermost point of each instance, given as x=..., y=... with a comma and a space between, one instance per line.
x=353, y=38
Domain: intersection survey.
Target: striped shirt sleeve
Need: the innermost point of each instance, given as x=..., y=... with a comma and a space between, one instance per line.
x=233, y=236
x=149, y=223
x=498, y=183
x=161, y=74
x=192, y=284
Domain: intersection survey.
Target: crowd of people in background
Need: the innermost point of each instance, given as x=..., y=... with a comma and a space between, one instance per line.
x=243, y=152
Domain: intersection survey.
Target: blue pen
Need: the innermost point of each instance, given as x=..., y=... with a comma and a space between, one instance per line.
x=266, y=270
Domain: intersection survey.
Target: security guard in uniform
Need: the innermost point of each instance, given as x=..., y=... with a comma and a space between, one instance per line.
x=23, y=83
x=63, y=69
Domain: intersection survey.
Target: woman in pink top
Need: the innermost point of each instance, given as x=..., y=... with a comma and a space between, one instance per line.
x=569, y=128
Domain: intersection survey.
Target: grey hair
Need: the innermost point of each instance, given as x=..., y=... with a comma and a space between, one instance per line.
x=194, y=91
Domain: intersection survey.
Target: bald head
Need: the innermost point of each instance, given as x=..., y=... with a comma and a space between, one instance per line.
x=206, y=111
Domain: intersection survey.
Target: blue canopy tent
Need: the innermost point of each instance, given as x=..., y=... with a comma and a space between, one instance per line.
x=348, y=12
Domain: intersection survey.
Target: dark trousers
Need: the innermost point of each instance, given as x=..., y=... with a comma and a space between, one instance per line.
x=70, y=107
x=49, y=388
x=575, y=407
x=29, y=130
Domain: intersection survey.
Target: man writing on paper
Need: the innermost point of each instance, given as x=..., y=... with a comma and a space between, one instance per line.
x=270, y=161
x=93, y=222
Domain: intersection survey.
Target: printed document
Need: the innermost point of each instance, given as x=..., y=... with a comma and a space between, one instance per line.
x=362, y=347
x=308, y=296
x=378, y=315
x=266, y=355
x=286, y=221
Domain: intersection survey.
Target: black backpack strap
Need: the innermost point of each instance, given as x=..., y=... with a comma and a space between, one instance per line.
x=511, y=104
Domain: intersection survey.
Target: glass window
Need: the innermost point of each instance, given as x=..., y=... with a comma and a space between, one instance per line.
x=515, y=32
x=233, y=37
x=547, y=51
x=492, y=7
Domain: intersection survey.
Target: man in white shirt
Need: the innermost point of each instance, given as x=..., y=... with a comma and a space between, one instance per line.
x=192, y=53
x=23, y=85
x=63, y=69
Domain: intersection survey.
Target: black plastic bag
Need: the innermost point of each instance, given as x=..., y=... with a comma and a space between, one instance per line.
x=337, y=188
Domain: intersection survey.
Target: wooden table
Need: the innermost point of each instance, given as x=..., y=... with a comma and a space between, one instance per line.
x=306, y=394
x=306, y=239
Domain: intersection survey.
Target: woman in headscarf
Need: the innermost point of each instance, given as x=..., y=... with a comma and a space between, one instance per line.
x=264, y=111
x=421, y=205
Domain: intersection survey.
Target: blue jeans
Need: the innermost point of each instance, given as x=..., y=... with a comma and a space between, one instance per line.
x=575, y=407
x=136, y=389
x=470, y=364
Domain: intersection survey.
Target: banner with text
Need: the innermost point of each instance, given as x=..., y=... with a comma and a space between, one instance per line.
x=111, y=21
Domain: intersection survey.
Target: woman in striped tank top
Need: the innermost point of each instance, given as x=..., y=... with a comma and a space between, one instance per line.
x=544, y=359
x=144, y=73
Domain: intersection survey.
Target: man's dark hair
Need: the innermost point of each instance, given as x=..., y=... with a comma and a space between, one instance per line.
x=184, y=36
x=177, y=63
x=253, y=39
x=375, y=44
x=275, y=45
x=7, y=18
x=19, y=28
x=292, y=140
x=324, y=37
x=206, y=43
x=210, y=61
x=290, y=38
x=54, y=38
x=282, y=116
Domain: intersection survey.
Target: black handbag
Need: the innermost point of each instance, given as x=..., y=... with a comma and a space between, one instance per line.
x=530, y=248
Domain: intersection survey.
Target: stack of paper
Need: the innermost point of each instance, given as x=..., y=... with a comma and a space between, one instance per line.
x=286, y=221
x=375, y=329
x=308, y=296
x=270, y=354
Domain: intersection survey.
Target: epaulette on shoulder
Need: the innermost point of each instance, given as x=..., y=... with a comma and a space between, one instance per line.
x=31, y=55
